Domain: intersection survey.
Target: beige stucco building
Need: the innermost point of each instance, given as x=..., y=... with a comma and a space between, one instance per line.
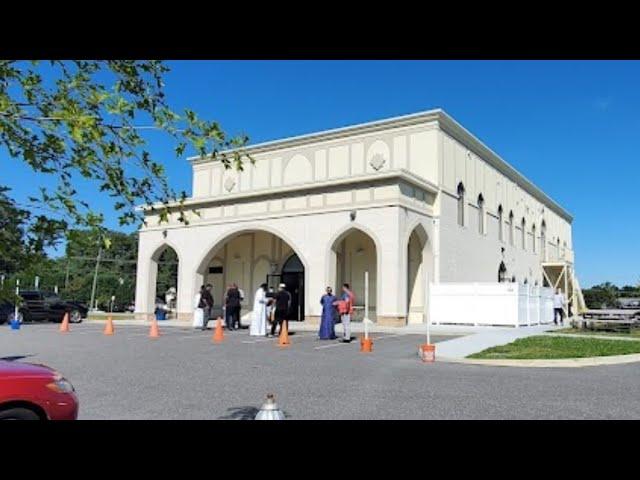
x=413, y=200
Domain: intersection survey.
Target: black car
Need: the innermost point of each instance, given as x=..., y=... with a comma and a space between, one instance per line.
x=44, y=306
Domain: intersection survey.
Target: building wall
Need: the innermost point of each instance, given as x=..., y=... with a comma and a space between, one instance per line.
x=459, y=164
x=409, y=148
x=398, y=180
x=468, y=256
x=310, y=236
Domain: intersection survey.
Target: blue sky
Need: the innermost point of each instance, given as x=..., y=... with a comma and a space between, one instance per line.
x=572, y=127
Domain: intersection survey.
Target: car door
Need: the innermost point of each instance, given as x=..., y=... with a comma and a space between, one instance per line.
x=35, y=307
x=54, y=307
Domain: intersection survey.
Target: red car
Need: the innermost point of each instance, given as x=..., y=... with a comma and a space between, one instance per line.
x=35, y=392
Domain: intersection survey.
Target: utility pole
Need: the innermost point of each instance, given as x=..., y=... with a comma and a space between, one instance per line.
x=95, y=279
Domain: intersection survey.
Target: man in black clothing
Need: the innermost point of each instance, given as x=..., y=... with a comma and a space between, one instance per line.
x=283, y=303
x=232, y=306
x=208, y=300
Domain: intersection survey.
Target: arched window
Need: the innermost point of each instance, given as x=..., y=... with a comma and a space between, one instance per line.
x=461, y=204
x=523, y=224
x=543, y=241
x=533, y=238
x=502, y=273
x=500, y=227
x=511, y=228
x=480, y=214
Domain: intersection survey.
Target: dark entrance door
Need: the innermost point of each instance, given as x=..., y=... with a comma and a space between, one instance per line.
x=293, y=277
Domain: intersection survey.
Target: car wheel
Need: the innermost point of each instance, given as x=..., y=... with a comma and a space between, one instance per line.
x=75, y=316
x=18, y=414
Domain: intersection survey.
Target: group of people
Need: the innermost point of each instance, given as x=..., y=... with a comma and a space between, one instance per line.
x=268, y=307
x=335, y=310
x=232, y=306
x=271, y=308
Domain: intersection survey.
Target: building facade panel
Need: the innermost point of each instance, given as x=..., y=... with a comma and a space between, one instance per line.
x=380, y=197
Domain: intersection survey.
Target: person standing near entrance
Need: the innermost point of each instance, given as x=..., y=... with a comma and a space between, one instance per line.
x=259, y=322
x=283, y=304
x=327, y=331
x=345, y=309
x=232, y=306
x=208, y=298
x=199, y=305
x=558, y=307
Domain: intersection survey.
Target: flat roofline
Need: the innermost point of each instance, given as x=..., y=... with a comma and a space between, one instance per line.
x=446, y=122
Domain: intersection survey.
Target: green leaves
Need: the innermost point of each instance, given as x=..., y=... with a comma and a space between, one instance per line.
x=68, y=122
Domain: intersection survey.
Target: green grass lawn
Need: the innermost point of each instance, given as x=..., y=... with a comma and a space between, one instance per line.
x=546, y=347
x=635, y=333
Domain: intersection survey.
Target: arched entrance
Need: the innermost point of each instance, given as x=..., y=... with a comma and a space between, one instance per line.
x=249, y=258
x=163, y=278
x=292, y=275
x=417, y=275
x=502, y=273
x=352, y=254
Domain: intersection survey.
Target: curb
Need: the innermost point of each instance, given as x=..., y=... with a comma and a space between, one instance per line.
x=550, y=363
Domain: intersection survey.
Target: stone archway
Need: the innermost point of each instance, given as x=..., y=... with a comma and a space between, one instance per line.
x=352, y=253
x=417, y=275
x=249, y=257
x=163, y=279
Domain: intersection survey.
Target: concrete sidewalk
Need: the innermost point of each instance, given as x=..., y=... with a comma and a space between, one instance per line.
x=462, y=347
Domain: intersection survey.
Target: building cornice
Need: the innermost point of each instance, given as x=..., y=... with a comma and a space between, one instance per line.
x=400, y=174
x=333, y=134
x=446, y=123
x=395, y=203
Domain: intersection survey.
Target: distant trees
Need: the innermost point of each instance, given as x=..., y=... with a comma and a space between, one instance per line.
x=606, y=294
x=73, y=272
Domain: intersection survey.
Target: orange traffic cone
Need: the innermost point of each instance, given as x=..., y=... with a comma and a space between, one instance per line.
x=366, y=344
x=154, y=331
x=427, y=352
x=108, y=328
x=64, y=326
x=218, y=335
x=283, y=341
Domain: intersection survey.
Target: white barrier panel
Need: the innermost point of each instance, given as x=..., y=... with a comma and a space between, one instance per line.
x=495, y=304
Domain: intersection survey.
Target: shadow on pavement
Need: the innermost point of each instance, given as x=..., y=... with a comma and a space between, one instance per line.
x=244, y=413
x=240, y=413
x=15, y=357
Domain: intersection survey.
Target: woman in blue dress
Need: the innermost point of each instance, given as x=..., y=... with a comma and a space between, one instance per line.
x=327, y=321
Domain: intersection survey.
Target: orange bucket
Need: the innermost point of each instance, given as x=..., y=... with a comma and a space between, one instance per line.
x=428, y=353
x=366, y=345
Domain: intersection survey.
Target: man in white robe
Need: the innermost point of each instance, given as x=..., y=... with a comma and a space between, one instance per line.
x=259, y=321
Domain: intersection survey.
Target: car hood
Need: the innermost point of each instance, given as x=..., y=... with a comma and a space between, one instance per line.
x=15, y=369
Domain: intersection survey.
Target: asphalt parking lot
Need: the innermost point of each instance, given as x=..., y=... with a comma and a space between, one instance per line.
x=183, y=375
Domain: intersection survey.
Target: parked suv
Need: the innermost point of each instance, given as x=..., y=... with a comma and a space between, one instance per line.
x=44, y=306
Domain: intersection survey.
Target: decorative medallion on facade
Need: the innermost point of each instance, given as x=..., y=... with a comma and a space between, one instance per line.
x=229, y=183
x=377, y=162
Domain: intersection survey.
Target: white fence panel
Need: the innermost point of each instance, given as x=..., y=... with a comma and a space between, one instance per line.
x=494, y=304
x=546, y=305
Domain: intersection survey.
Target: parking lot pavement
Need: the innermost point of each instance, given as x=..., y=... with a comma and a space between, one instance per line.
x=184, y=375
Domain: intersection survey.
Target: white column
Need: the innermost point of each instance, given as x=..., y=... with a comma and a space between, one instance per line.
x=392, y=279
x=435, y=241
x=145, y=277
